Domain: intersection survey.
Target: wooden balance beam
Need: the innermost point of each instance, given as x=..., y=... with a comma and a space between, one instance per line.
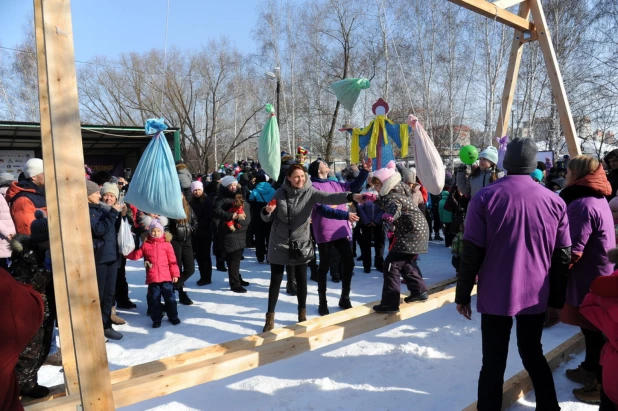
x=249, y=353
x=520, y=384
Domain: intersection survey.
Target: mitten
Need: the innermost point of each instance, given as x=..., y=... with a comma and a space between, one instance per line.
x=147, y=264
x=388, y=217
x=390, y=235
x=369, y=197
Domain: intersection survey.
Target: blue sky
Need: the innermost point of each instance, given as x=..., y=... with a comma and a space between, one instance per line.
x=111, y=27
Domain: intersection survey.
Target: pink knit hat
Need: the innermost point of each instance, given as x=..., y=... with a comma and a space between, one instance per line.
x=384, y=174
x=197, y=185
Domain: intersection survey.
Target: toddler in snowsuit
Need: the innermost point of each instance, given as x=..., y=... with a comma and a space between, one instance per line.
x=238, y=207
x=161, y=272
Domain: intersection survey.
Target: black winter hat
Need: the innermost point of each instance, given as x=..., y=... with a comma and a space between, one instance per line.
x=216, y=176
x=541, y=166
x=39, y=229
x=313, y=168
x=520, y=157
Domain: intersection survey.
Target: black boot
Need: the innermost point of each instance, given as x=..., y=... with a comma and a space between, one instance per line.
x=204, y=281
x=437, y=236
x=335, y=277
x=290, y=287
x=37, y=392
x=243, y=282
x=421, y=297
x=183, y=298
x=323, y=308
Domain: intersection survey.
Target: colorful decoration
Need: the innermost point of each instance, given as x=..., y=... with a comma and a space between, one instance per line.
x=347, y=90
x=502, y=141
x=379, y=138
x=269, y=145
x=301, y=155
x=468, y=154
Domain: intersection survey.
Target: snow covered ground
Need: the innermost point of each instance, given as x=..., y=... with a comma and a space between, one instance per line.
x=429, y=362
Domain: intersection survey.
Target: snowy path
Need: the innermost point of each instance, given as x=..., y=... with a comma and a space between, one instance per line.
x=429, y=362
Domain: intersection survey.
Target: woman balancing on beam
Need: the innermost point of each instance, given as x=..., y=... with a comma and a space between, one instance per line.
x=290, y=241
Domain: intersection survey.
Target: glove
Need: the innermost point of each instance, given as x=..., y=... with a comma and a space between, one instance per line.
x=390, y=234
x=370, y=197
x=462, y=167
x=148, y=265
x=388, y=217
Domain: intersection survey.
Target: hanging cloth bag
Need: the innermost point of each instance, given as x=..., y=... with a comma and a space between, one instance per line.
x=269, y=149
x=429, y=165
x=155, y=187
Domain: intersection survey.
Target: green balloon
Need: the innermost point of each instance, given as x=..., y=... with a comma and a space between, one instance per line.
x=468, y=154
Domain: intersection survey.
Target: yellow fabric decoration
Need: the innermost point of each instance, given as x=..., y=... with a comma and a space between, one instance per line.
x=404, y=135
x=374, y=126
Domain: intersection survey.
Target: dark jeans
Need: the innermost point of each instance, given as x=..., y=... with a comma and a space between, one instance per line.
x=397, y=266
x=276, y=276
x=342, y=245
x=155, y=292
x=106, y=281
x=233, y=267
x=184, y=258
x=377, y=234
x=594, y=343
x=496, y=333
x=448, y=236
x=201, y=251
x=122, y=287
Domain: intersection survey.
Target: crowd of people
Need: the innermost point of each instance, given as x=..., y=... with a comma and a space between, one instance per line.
x=539, y=241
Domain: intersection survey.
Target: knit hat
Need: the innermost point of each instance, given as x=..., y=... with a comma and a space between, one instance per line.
x=33, y=167
x=216, y=176
x=537, y=175
x=6, y=179
x=541, y=165
x=408, y=175
x=110, y=188
x=155, y=224
x=520, y=157
x=39, y=230
x=227, y=180
x=490, y=153
x=385, y=173
x=313, y=168
x=91, y=187
x=197, y=185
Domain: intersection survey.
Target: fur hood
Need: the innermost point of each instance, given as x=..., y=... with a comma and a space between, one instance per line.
x=180, y=166
x=167, y=235
x=390, y=184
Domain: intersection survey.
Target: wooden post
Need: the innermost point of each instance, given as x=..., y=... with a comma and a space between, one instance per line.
x=510, y=81
x=555, y=77
x=70, y=222
x=492, y=11
x=60, y=283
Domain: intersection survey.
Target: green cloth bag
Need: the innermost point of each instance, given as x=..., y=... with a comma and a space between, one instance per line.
x=269, y=150
x=347, y=90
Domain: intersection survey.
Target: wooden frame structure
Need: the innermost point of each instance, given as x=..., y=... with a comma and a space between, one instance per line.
x=87, y=382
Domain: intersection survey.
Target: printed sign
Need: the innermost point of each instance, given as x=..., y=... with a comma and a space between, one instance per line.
x=12, y=161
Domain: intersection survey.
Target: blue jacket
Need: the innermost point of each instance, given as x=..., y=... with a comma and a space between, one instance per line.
x=262, y=193
x=370, y=212
x=445, y=216
x=104, y=239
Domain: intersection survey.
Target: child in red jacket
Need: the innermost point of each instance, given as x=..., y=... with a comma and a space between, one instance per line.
x=238, y=207
x=600, y=307
x=161, y=272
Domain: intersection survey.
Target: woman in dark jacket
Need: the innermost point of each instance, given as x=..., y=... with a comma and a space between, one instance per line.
x=201, y=239
x=181, y=231
x=259, y=197
x=232, y=242
x=102, y=224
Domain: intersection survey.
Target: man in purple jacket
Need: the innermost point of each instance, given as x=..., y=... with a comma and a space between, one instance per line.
x=331, y=229
x=517, y=240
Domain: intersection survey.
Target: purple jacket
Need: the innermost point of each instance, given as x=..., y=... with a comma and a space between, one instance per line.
x=329, y=229
x=592, y=233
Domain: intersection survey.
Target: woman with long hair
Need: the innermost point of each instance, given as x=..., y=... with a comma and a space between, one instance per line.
x=182, y=231
x=290, y=241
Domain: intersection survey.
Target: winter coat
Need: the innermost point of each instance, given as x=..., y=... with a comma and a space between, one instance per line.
x=262, y=193
x=159, y=253
x=24, y=199
x=184, y=176
x=370, y=212
x=331, y=223
x=445, y=216
x=7, y=227
x=21, y=315
x=243, y=182
x=469, y=185
x=301, y=201
x=104, y=239
x=182, y=232
x=202, y=209
x=230, y=241
x=600, y=307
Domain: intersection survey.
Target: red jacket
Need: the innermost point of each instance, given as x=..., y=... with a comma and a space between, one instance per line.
x=600, y=307
x=25, y=198
x=21, y=315
x=159, y=253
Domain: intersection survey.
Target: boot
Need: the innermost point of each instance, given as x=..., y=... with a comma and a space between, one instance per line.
x=183, y=298
x=344, y=301
x=54, y=359
x=37, y=392
x=421, y=297
x=335, y=277
x=290, y=288
x=437, y=237
x=243, y=282
x=115, y=319
x=203, y=281
x=590, y=393
x=302, y=315
x=581, y=375
x=112, y=334
x=126, y=305
x=323, y=307
x=270, y=322
x=383, y=308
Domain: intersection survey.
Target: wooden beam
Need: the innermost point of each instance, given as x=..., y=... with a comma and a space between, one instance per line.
x=489, y=10
x=59, y=276
x=72, y=226
x=520, y=384
x=505, y=4
x=555, y=77
x=168, y=381
x=510, y=81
